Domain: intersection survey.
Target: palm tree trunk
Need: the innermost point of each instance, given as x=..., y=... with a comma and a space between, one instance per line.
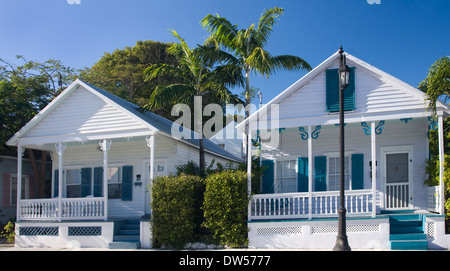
x=202, y=157
x=247, y=112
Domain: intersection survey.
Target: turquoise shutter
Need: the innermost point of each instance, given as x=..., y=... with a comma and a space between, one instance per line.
x=302, y=174
x=357, y=171
x=332, y=89
x=55, y=184
x=127, y=183
x=320, y=176
x=268, y=177
x=98, y=182
x=86, y=182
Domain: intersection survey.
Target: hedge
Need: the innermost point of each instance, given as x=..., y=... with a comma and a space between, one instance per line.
x=176, y=202
x=225, y=208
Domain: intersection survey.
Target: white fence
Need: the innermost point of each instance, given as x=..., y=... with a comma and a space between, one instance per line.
x=71, y=209
x=321, y=204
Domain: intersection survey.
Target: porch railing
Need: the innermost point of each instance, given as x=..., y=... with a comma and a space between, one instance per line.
x=299, y=205
x=89, y=208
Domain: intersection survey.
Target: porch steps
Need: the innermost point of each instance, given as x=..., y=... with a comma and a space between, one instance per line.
x=406, y=230
x=128, y=236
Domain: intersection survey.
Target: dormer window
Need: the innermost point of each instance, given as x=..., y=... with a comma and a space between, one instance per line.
x=332, y=85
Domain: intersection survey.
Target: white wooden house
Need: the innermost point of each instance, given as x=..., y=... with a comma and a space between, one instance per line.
x=386, y=145
x=105, y=152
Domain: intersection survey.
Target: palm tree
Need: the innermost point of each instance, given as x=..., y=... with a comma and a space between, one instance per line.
x=196, y=75
x=437, y=84
x=247, y=46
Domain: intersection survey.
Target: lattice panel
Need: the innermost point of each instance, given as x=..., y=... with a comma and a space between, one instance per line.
x=324, y=229
x=36, y=231
x=350, y=228
x=278, y=230
x=430, y=230
x=85, y=231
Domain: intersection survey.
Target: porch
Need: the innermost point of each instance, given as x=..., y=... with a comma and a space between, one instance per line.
x=384, y=163
x=85, y=187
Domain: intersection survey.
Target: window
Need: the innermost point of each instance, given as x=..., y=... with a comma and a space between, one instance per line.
x=24, y=189
x=73, y=178
x=286, y=180
x=334, y=171
x=114, y=183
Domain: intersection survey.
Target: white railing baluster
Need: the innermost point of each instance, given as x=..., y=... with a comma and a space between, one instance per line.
x=294, y=205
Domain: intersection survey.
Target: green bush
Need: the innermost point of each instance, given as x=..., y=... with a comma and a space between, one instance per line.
x=225, y=208
x=176, y=202
x=8, y=232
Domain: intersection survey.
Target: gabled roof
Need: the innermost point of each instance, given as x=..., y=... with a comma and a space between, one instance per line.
x=330, y=62
x=152, y=122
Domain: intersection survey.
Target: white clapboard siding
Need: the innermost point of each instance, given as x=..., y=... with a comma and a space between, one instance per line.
x=372, y=95
x=85, y=114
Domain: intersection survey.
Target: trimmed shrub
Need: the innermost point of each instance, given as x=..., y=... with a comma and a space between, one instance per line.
x=225, y=208
x=175, y=207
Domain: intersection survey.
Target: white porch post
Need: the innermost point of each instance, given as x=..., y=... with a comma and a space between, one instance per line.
x=105, y=145
x=441, y=165
x=249, y=171
x=310, y=173
x=151, y=144
x=373, y=148
x=60, y=147
x=20, y=151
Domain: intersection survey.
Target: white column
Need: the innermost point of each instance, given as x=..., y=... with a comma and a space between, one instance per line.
x=20, y=151
x=151, y=144
x=310, y=173
x=60, y=147
x=441, y=165
x=373, y=148
x=249, y=171
x=105, y=145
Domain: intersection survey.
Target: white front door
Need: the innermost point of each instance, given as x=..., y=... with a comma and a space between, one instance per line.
x=159, y=169
x=397, y=173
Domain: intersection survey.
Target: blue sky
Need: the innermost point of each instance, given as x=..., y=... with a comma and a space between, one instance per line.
x=401, y=37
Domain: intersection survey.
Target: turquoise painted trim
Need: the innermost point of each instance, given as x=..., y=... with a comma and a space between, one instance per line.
x=302, y=174
x=316, y=219
x=127, y=183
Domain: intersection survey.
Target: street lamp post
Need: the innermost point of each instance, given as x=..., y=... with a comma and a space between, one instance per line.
x=344, y=75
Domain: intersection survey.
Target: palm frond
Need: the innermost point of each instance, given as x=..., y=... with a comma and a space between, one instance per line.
x=225, y=32
x=265, y=25
x=168, y=95
x=289, y=62
x=159, y=70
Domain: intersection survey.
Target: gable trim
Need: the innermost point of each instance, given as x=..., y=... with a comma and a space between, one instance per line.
x=379, y=74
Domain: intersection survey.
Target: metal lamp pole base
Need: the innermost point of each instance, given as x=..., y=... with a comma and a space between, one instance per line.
x=341, y=239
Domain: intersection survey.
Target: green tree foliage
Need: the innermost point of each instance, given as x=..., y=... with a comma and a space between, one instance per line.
x=247, y=46
x=197, y=75
x=437, y=83
x=437, y=87
x=24, y=91
x=225, y=208
x=121, y=72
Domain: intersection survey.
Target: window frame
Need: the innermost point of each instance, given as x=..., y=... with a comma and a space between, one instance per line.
x=293, y=178
x=25, y=187
x=334, y=155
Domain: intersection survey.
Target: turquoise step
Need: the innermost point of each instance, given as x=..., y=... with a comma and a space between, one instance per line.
x=406, y=230
x=407, y=236
x=128, y=236
x=396, y=230
x=409, y=245
x=124, y=245
x=387, y=212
